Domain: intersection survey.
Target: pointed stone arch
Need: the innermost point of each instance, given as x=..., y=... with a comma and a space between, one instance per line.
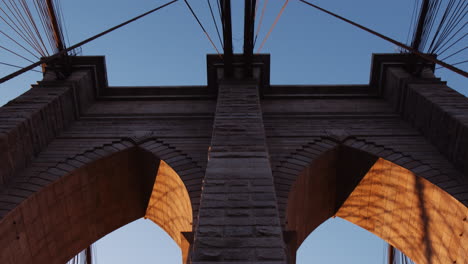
x=90, y=195
x=189, y=171
x=414, y=215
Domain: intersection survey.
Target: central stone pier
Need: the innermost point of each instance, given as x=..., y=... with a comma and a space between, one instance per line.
x=238, y=218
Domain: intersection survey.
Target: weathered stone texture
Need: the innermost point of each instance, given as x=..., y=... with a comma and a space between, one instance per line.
x=238, y=218
x=238, y=146
x=29, y=122
x=436, y=111
x=77, y=209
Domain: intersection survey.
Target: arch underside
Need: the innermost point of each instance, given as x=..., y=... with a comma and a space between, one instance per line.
x=64, y=155
x=60, y=220
x=420, y=219
x=412, y=153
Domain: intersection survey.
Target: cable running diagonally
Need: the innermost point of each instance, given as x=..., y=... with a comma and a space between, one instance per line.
x=273, y=26
x=215, y=23
x=19, y=44
x=14, y=53
x=399, y=44
x=15, y=14
x=442, y=29
x=57, y=55
x=453, y=44
x=10, y=22
x=259, y=26
x=456, y=52
x=16, y=66
x=201, y=26
x=32, y=28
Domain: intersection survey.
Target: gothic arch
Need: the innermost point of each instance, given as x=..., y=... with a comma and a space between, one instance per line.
x=414, y=215
x=188, y=170
x=93, y=194
x=429, y=164
x=36, y=177
x=286, y=171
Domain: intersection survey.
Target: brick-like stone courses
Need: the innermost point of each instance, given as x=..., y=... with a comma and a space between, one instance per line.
x=58, y=126
x=169, y=206
x=189, y=135
x=311, y=199
x=52, y=226
x=301, y=129
x=295, y=123
x=286, y=171
x=412, y=153
x=181, y=142
x=50, y=166
x=190, y=173
x=238, y=218
x=424, y=222
x=421, y=158
x=29, y=122
x=435, y=110
x=409, y=212
x=43, y=131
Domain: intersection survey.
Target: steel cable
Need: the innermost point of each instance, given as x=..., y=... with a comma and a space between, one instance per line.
x=273, y=26
x=202, y=27
x=216, y=24
x=56, y=55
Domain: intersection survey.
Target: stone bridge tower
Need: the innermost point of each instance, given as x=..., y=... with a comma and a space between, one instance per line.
x=238, y=171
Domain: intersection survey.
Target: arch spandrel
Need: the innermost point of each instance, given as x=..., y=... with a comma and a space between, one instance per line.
x=57, y=222
x=409, y=212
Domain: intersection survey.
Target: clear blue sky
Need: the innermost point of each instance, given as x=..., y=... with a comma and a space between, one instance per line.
x=169, y=48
